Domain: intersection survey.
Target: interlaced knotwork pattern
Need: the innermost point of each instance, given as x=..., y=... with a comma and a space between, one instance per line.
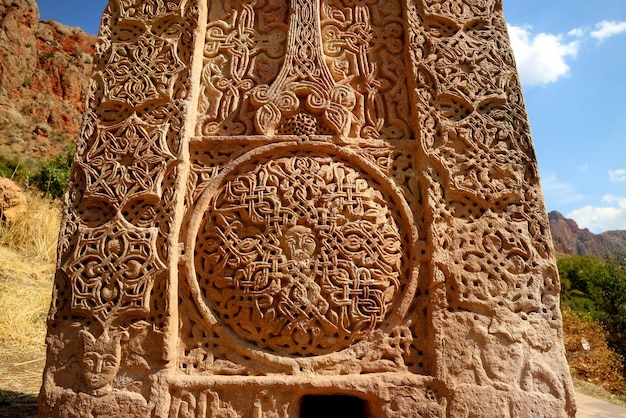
x=364, y=43
x=300, y=255
x=112, y=270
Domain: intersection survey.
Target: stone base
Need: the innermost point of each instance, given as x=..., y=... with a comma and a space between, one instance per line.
x=377, y=395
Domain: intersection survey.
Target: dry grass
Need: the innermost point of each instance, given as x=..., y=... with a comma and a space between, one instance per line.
x=25, y=289
x=27, y=252
x=23, y=307
x=35, y=231
x=588, y=354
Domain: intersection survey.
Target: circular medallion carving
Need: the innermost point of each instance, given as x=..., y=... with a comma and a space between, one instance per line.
x=298, y=254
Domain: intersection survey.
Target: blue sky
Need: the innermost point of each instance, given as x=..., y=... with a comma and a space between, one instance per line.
x=571, y=55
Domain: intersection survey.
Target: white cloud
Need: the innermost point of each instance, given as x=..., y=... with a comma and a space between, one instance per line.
x=606, y=218
x=606, y=29
x=558, y=192
x=617, y=176
x=577, y=32
x=541, y=58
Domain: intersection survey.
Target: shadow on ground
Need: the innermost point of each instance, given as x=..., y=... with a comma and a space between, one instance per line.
x=17, y=405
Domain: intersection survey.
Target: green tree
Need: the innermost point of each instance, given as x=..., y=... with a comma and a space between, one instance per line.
x=609, y=294
x=597, y=287
x=578, y=273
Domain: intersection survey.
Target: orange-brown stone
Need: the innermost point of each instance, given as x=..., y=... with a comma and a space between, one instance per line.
x=315, y=207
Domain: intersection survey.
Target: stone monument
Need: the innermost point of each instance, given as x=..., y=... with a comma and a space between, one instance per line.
x=287, y=209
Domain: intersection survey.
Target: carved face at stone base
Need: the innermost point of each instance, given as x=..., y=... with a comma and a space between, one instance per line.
x=101, y=359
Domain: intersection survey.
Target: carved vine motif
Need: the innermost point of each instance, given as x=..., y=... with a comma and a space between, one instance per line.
x=300, y=255
x=460, y=8
x=146, y=10
x=341, y=71
x=245, y=46
x=364, y=44
x=304, y=89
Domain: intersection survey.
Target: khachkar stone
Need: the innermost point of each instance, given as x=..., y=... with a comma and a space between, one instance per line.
x=281, y=209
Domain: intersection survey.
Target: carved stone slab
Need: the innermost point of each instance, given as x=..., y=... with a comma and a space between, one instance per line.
x=306, y=208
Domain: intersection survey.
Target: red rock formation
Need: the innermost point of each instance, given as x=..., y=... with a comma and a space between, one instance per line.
x=44, y=74
x=570, y=239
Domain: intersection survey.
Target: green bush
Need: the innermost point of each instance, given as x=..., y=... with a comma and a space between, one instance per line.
x=45, y=57
x=578, y=275
x=597, y=288
x=52, y=174
x=609, y=293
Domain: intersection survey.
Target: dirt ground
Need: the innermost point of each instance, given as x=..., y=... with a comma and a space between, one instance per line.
x=20, y=381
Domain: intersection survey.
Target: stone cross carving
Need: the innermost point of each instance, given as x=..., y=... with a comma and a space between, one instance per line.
x=305, y=208
x=304, y=76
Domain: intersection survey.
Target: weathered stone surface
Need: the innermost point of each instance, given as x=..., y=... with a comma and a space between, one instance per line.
x=277, y=207
x=12, y=200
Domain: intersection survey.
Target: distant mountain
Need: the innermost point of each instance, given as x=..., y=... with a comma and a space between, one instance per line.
x=45, y=68
x=570, y=239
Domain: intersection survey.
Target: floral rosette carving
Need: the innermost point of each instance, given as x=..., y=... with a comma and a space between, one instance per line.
x=300, y=255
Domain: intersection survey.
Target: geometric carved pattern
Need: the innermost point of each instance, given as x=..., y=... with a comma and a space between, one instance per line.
x=300, y=254
x=127, y=159
x=142, y=71
x=112, y=270
x=496, y=264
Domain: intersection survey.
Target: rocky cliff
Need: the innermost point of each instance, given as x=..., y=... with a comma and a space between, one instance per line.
x=44, y=74
x=570, y=239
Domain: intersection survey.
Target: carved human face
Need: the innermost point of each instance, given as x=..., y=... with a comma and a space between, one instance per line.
x=100, y=360
x=300, y=243
x=99, y=369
